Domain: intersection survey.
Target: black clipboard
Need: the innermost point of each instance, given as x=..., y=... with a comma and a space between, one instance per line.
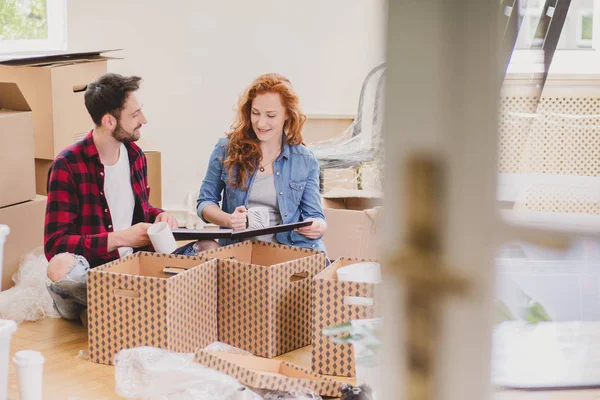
x=210, y=234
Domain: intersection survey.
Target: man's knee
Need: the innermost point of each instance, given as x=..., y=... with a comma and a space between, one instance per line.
x=60, y=265
x=205, y=245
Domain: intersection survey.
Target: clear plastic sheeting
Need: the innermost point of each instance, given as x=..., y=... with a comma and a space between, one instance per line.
x=29, y=299
x=361, y=142
x=155, y=374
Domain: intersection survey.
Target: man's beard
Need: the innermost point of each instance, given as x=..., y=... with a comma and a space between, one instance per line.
x=123, y=136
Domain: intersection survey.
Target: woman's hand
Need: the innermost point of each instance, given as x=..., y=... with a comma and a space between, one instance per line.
x=238, y=219
x=315, y=230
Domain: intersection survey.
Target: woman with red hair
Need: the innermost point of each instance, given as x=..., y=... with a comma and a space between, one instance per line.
x=262, y=162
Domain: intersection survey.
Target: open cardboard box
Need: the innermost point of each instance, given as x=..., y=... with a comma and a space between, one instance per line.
x=261, y=373
x=17, y=180
x=264, y=296
x=133, y=303
x=352, y=223
x=53, y=85
x=330, y=358
x=26, y=223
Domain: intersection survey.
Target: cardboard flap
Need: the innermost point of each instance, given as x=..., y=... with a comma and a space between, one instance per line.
x=267, y=374
x=149, y=265
x=274, y=254
x=349, y=199
x=11, y=97
x=49, y=57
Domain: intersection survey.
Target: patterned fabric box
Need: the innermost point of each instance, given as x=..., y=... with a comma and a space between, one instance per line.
x=132, y=303
x=264, y=300
x=330, y=358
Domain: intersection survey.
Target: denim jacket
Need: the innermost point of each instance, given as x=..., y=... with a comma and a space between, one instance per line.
x=296, y=173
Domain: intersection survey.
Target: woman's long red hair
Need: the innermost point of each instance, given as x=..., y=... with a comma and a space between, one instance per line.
x=243, y=151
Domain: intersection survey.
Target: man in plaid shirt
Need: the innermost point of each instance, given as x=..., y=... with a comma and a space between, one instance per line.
x=97, y=208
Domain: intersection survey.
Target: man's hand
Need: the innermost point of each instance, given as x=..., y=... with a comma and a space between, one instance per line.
x=314, y=231
x=238, y=219
x=135, y=236
x=168, y=218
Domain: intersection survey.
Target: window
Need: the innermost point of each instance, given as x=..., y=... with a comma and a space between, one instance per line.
x=32, y=25
x=585, y=28
x=577, y=51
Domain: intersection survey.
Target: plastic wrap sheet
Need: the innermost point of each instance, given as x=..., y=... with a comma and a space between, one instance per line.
x=362, y=141
x=29, y=299
x=156, y=374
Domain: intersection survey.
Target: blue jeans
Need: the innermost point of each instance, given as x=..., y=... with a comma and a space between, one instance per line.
x=70, y=293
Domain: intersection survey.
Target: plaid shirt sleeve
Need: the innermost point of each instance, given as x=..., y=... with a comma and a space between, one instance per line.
x=62, y=210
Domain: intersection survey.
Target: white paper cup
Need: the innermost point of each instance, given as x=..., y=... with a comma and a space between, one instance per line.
x=30, y=367
x=367, y=272
x=7, y=328
x=162, y=238
x=258, y=217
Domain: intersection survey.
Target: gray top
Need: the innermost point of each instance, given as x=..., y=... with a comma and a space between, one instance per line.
x=263, y=194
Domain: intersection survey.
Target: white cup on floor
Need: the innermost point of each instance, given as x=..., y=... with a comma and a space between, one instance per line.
x=30, y=367
x=162, y=238
x=7, y=328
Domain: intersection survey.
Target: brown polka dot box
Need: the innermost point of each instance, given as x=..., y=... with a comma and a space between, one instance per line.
x=261, y=373
x=264, y=298
x=330, y=308
x=132, y=302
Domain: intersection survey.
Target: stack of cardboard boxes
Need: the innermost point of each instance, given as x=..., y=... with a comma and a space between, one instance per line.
x=41, y=112
x=20, y=209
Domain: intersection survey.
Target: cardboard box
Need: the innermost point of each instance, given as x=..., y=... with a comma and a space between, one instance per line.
x=323, y=127
x=26, y=223
x=260, y=373
x=17, y=180
x=132, y=303
x=54, y=85
x=41, y=175
x=356, y=212
x=330, y=358
x=264, y=296
x=153, y=159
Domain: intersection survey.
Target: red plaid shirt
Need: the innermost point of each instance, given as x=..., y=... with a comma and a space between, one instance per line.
x=78, y=219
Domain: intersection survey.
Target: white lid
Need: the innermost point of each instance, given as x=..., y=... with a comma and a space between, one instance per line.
x=28, y=357
x=7, y=326
x=368, y=272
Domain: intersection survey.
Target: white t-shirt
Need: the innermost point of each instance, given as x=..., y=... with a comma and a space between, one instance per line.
x=119, y=195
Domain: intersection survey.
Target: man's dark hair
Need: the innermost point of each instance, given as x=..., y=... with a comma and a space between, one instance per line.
x=108, y=94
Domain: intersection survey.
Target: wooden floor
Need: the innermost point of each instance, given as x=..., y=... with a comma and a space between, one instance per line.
x=66, y=376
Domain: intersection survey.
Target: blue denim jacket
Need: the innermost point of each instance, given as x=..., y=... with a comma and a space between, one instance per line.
x=296, y=172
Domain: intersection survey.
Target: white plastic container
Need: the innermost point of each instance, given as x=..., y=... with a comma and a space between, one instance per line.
x=4, y=231
x=368, y=272
x=7, y=328
x=30, y=368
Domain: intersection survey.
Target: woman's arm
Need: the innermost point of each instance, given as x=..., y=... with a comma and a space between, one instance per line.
x=312, y=209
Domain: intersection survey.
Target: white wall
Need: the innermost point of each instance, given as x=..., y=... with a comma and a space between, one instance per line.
x=196, y=57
